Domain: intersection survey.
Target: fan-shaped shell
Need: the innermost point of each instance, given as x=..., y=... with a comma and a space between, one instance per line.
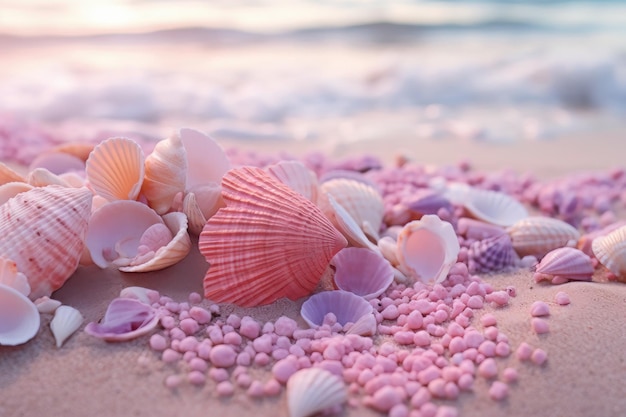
x=166, y=173
x=201, y=203
x=312, y=390
x=206, y=160
x=365, y=326
x=297, y=177
x=115, y=169
x=346, y=306
x=11, y=189
x=362, y=272
x=19, y=318
x=363, y=202
x=494, y=207
x=492, y=254
x=65, y=322
x=537, y=235
x=268, y=242
x=427, y=249
x=586, y=240
x=42, y=232
x=567, y=263
x=80, y=150
x=610, y=250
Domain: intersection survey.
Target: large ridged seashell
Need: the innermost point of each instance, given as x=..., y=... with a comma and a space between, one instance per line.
x=134, y=238
x=200, y=203
x=7, y=174
x=166, y=173
x=346, y=307
x=65, y=322
x=491, y=255
x=268, y=242
x=115, y=169
x=537, y=235
x=297, y=177
x=313, y=390
x=565, y=264
x=610, y=250
x=42, y=232
x=11, y=189
x=19, y=318
x=362, y=272
x=586, y=240
x=427, y=249
x=363, y=202
x=11, y=277
x=494, y=207
x=348, y=227
x=206, y=160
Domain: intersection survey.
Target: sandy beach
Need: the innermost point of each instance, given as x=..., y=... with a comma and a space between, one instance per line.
x=583, y=375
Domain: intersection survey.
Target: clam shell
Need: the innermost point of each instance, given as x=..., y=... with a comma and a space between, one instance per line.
x=569, y=263
x=610, y=250
x=19, y=318
x=346, y=306
x=65, y=322
x=344, y=222
x=492, y=254
x=537, y=235
x=11, y=189
x=206, y=160
x=201, y=203
x=10, y=276
x=363, y=202
x=166, y=173
x=427, y=249
x=7, y=174
x=362, y=272
x=312, y=390
x=494, y=207
x=268, y=242
x=43, y=231
x=297, y=177
x=115, y=169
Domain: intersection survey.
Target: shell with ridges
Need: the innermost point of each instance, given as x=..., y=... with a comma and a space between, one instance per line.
x=492, y=254
x=427, y=249
x=567, y=263
x=11, y=189
x=362, y=272
x=19, y=318
x=57, y=162
x=297, y=176
x=610, y=250
x=42, y=232
x=115, y=169
x=200, y=204
x=494, y=207
x=312, y=390
x=344, y=222
x=346, y=306
x=538, y=235
x=365, y=326
x=268, y=242
x=65, y=322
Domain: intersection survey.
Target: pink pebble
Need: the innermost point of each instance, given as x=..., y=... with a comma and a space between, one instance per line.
x=234, y=321
x=177, y=334
x=170, y=356
x=196, y=378
x=261, y=359
x=403, y=338
x=539, y=309
x=225, y=389
x=447, y=411
x=218, y=374
x=503, y=349
x=488, y=320
x=244, y=380
x=168, y=322
x=390, y=312
x=272, y=388
x=473, y=339
x=539, y=326
x=198, y=364
x=465, y=382
x=223, y=356
x=475, y=302
x=283, y=369
x=500, y=298
x=498, y=391
x=421, y=397
x=437, y=388
x=385, y=398
x=188, y=344
x=249, y=328
x=158, y=342
x=255, y=390
x=232, y=338
x=488, y=368
x=200, y=315
x=414, y=320
x=399, y=410
x=285, y=326
x=173, y=381
x=194, y=298
x=263, y=343
x=421, y=338
x=189, y=326
x=487, y=348
x=452, y=391
x=524, y=351
x=539, y=356
x=509, y=375
x=562, y=298
x=428, y=410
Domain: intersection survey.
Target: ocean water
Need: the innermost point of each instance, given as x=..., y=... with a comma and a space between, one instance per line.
x=344, y=71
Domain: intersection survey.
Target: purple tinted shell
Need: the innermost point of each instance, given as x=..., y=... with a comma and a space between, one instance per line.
x=491, y=254
x=427, y=201
x=362, y=272
x=347, y=307
x=570, y=263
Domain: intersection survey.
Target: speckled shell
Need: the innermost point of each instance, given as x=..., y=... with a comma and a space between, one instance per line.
x=165, y=173
x=538, y=235
x=298, y=177
x=427, y=249
x=569, y=263
x=610, y=250
x=42, y=232
x=346, y=306
x=19, y=317
x=492, y=254
x=312, y=390
x=268, y=242
x=362, y=272
x=115, y=169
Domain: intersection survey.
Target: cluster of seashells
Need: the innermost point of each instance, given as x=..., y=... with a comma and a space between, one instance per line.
x=267, y=233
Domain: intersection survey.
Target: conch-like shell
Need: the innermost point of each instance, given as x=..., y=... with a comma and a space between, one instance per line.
x=313, y=390
x=42, y=232
x=537, y=235
x=362, y=202
x=564, y=264
x=346, y=306
x=65, y=322
x=610, y=250
x=268, y=242
x=297, y=177
x=362, y=272
x=491, y=255
x=133, y=237
x=115, y=169
x=19, y=318
x=427, y=249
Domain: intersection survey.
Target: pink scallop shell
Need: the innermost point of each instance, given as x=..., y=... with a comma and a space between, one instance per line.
x=362, y=272
x=346, y=306
x=297, y=176
x=268, y=242
x=568, y=263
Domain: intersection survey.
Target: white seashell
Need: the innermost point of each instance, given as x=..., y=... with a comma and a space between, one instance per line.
x=297, y=177
x=201, y=203
x=145, y=295
x=537, y=235
x=11, y=189
x=365, y=326
x=206, y=160
x=115, y=169
x=47, y=305
x=19, y=318
x=362, y=272
x=348, y=227
x=312, y=390
x=166, y=173
x=347, y=307
x=610, y=250
x=40, y=177
x=65, y=322
x=10, y=276
x=494, y=207
x=427, y=249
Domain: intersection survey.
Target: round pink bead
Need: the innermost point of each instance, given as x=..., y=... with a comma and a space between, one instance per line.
x=414, y=320
x=498, y=391
x=562, y=298
x=225, y=389
x=283, y=369
x=218, y=374
x=503, y=349
x=524, y=351
x=539, y=309
x=488, y=368
x=198, y=364
x=168, y=322
x=509, y=375
x=255, y=390
x=539, y=326
x=200, y=315
x=196, y=377
x=158, y=342
x=285, y=326
x=272, y=388
x=223, y=356
x=539, y=356
x=249, y=328
x=194, y=298
x=488, y=320
x=386, y=398
x=170, y=356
